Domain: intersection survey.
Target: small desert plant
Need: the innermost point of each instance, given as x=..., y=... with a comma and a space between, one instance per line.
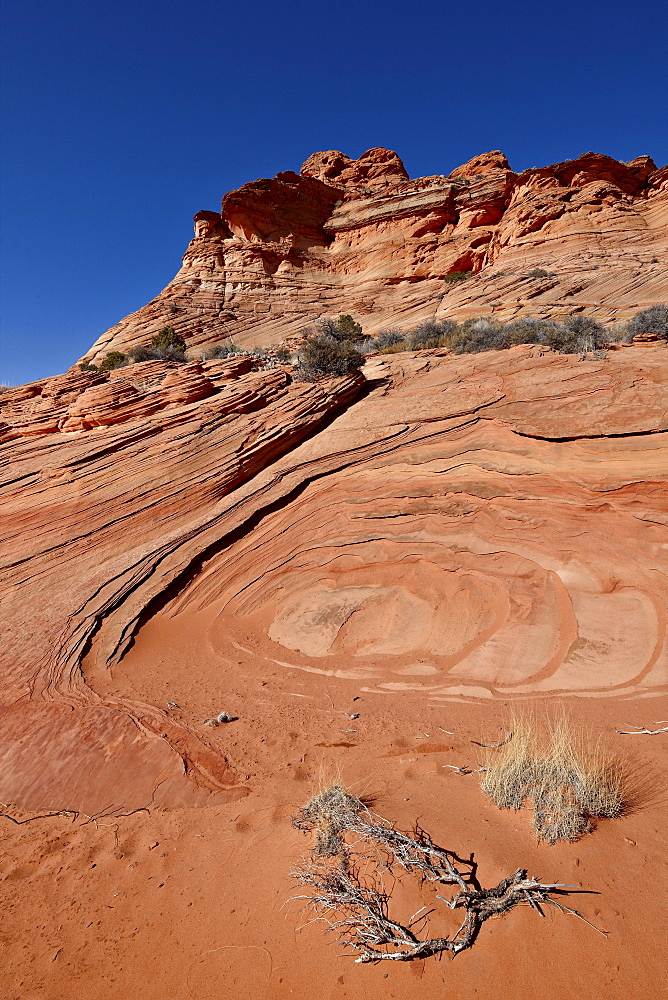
x=456, y=276
x=329, y=813
x=115, y=359
x=432, y=333
x=474, y=336
x=165, y=346
x=348, y=890
x=321, y=356
x=385, y=339
x=223, y=350
x=576, y=335
x=167, y=339
x=528, y=330
x=342, y=329
x=564, y=774
x=538, y=272
x=651, y=320
x=283, y=355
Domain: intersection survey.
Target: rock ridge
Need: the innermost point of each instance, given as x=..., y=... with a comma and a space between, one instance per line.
x=359, y=236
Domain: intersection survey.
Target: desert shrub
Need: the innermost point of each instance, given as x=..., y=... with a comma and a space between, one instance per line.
x=167, y=339
x=283, y=355
x=385, y=339
x=538, y=272
x=321, y=356
x=576, y=335
x=142, y=353
x=456, y=276
x=347, y=328
x=525, y=331
x=220, y=351
x=619, y=333
x=328, y=813
x=165, y=346
x=5, y=388
x=342, y=329
x=478, y=335
x=115, y=359
x=430, y=334
x=563, y=773
x=651, y=320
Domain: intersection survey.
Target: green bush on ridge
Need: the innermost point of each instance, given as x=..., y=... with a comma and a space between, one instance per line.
x=576, y=334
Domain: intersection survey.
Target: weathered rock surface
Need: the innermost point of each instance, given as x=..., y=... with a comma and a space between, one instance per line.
x=111, y=486
x=473, y=526
x=359, y=236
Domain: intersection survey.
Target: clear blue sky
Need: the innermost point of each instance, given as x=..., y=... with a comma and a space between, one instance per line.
x=122, y=119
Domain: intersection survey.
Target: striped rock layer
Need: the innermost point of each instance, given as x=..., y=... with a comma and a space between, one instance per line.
x=456, y=527
x=359, y=236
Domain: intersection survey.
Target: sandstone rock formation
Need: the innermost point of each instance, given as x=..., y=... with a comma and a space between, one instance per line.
x=111, y=485
x=473, y=526
x=367, y=576
x=359, y=236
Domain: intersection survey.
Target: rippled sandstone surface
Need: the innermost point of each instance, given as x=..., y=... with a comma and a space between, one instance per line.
x=420, y=549
x=359, y=236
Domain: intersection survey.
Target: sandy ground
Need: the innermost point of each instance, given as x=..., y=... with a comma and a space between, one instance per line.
x=196, y=903
x=472, y=534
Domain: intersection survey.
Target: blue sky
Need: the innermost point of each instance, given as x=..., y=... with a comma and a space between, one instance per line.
x=122, y=119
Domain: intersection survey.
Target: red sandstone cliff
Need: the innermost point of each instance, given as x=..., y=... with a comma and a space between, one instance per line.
x=359, y=236
x=366, y=574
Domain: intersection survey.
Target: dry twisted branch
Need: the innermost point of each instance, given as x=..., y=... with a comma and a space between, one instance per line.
x=357, y=910
x=642, y=730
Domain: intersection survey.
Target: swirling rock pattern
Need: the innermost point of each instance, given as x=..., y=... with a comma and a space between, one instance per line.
x=358, y=236
x=469, y=527
x=486, y=536
x=111, y=486
x=368, y=574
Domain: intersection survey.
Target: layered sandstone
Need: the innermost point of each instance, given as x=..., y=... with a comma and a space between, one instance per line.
x=367, y=576
x=359, y=236
x=112, y=485
x=480, y=526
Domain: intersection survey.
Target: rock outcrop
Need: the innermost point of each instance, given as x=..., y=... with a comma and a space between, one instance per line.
x=587, y=235
x=473, y=526
x=112, y=485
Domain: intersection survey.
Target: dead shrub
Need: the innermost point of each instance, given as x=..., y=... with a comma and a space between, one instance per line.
x=351, y=889
x=328, y=813
x=565, y=776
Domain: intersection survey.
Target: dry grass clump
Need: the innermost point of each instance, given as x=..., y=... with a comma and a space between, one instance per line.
x=329, y=813
x=565, y=775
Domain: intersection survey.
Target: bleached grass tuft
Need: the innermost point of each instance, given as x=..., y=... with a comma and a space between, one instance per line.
x=561, y=771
